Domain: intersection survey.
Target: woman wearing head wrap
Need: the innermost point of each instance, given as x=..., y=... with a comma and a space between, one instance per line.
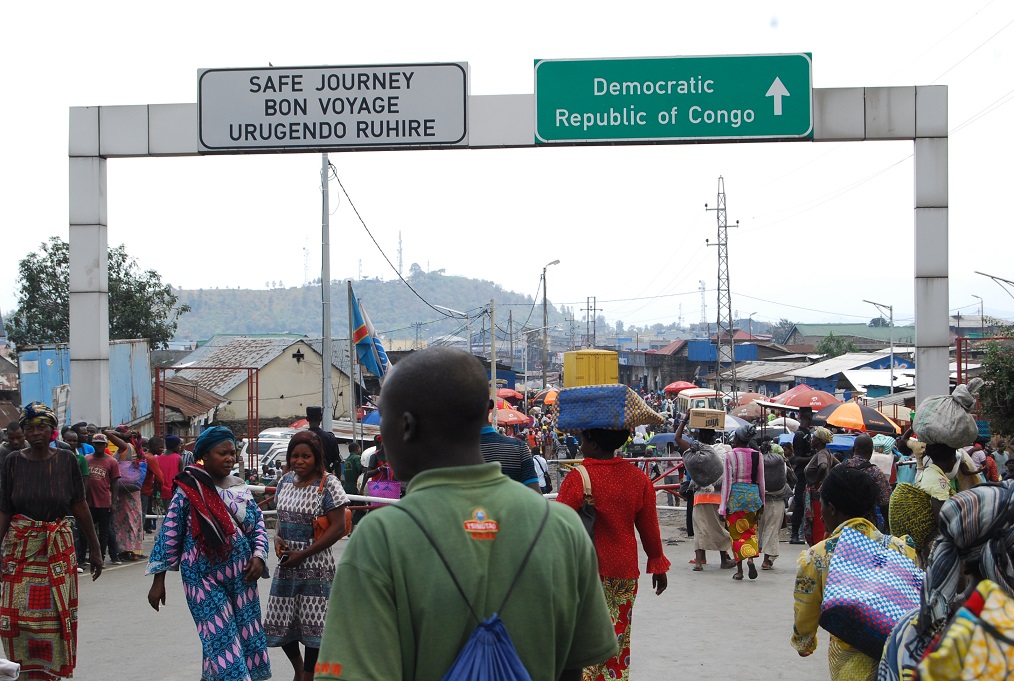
x=624, y=499
x=743, y=498
x=820, y=464
x=214, y=535
x=42, y=485
x=302, y=584
x=848, y=496
x=976, y=539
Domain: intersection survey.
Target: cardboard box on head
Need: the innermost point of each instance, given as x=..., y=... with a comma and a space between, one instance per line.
x=707, y=418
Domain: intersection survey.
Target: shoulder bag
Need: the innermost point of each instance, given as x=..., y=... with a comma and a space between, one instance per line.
x=587, y=510
x=320, y=523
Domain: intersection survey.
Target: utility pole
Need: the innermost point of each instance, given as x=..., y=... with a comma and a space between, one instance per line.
x=492, y=361
x=510, y=333
x=326, y=401
x=545, y=325
x=704, y=308
x=724, y=291
x=418, y=326
x=399, y=253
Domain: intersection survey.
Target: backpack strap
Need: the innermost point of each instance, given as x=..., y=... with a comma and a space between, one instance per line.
x=457, y=584
x=755, y=457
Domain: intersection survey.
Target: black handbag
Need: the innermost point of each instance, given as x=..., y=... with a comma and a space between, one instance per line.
x=587, y=510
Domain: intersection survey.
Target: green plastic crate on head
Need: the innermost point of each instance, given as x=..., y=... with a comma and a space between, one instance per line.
x=590, y=367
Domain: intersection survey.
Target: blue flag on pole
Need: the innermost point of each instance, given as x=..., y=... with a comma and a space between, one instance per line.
x=368, y=347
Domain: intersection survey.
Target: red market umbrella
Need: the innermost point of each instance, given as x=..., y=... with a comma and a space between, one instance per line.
x=747, y=398
x=509, y=394
x=511, y=417
x=801, y=388
x=676, y=387
x=301, y=423
x=855, y=416
x=815, y=399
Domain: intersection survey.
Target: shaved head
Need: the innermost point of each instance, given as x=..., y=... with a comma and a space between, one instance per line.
x=433, y=406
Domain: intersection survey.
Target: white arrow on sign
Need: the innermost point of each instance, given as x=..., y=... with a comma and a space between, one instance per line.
x=777, y=90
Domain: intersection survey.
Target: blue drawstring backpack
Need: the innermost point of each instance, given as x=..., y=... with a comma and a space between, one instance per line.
x=488, y=654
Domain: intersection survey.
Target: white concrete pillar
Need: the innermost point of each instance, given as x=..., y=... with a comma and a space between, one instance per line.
x=89, y=282
x=932, y=326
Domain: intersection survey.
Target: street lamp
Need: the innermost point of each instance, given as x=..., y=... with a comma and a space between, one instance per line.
x=524, y=366
x=751, y=324
x=1000, y=281
x=545, y=324
x=982, y=323
x=890, y=311
x=460, y=315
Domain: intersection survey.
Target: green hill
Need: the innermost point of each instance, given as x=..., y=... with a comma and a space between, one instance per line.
x=391, y=305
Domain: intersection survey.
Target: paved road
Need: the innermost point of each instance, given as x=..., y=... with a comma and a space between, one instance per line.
x=705, y=626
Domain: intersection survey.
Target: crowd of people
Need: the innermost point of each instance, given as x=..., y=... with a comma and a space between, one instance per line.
x=78, y=497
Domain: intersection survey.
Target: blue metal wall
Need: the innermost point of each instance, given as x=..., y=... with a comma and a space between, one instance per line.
x=705, y=351
x=44, y=367
x=129, y=381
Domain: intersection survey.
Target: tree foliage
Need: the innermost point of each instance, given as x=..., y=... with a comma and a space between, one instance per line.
x=879, y=322
x=997, y=395
x=833, y=346
x=781, y=330
x=140, y=305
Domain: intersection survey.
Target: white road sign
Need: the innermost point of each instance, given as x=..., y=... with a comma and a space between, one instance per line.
x=332, y=107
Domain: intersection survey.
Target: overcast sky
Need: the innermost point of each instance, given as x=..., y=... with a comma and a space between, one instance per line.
x=821, y=226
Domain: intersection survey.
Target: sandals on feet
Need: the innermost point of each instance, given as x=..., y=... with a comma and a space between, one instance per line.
x=752, y=570
x=738, y=576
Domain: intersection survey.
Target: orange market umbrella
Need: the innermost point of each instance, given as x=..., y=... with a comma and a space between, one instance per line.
x=855, y=416
x=511, y=417
x=815, y=399
x=678, y=386
x=547, y=396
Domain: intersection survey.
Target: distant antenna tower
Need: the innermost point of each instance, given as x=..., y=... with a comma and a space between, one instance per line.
x=306, y=261
x=679, y=320
x=399, y=253
x=360, y=269
x=704, y=304
x=726, y=346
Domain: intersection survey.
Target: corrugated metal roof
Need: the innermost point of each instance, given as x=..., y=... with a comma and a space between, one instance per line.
x=339, y=352
x=881, y=333
x=762, y=371
x=836, y=365
x=232, y=351
x=673, y=347
x=899, y=398
x=189, y=398
x=8, y=413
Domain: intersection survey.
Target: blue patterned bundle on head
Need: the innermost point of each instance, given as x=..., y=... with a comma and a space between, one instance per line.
x=614, y=407
x=209, y=438
x=37, y=411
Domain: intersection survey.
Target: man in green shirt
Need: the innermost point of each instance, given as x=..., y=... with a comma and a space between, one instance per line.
x=433, y=407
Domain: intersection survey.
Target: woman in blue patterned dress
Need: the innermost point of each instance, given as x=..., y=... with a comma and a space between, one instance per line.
x=297, y=605
x=214, y=535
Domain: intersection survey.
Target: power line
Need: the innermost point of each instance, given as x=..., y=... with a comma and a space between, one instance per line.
x=394, y=269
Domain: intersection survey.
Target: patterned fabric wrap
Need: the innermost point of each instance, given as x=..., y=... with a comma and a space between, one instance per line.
x=869, y=588
x=620, y=595
x=38, y=605
x=977, y=644
x=297, y=604
x=743, y=496
x=976, y=526
x=911, y=513
x=614, y=407
x=37, y=411
x=225, y=607
x=743, y=532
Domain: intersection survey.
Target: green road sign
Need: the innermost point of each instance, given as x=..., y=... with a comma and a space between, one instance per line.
x=766, y=96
